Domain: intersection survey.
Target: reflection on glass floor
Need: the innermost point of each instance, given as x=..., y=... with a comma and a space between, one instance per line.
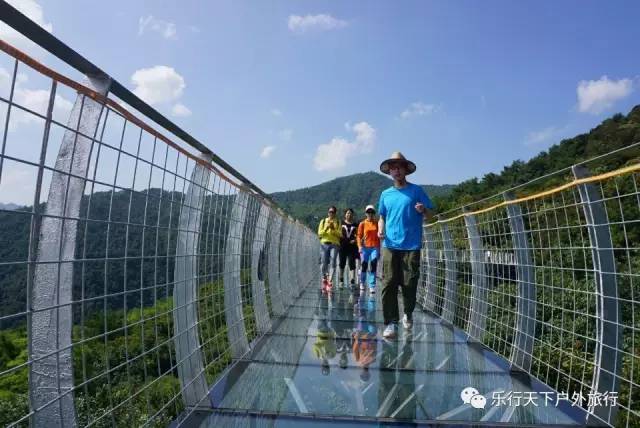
x=327, y=362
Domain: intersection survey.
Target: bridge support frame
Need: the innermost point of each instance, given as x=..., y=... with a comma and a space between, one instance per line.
x=236, y=330
x=476, y=326
x=285, y=264
x=275, y=240
x=451, y=277
x=295, y=265
x=608, y=358
x=51, y=379
x=429, y=300
x=261, y=311
x=186, y=336
x=525, y=323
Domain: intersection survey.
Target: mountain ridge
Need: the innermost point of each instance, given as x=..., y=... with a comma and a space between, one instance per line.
x=352, y=191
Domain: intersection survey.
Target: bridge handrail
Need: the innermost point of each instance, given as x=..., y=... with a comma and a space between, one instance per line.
x=567, y=311
x=19, y=22
x=140, y=269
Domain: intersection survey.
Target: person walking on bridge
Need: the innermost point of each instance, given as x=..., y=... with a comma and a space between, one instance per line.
x=348, y=247
x=329, y=234
x=402, y=208
x=369, y=245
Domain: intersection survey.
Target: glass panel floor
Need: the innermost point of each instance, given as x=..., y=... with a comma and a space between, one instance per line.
x=327, y=363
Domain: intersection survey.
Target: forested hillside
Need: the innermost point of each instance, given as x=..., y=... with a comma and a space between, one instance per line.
x=614, y=133
x=356, y=191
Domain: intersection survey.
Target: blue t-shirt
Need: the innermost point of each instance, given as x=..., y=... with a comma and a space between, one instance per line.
x=403, y=224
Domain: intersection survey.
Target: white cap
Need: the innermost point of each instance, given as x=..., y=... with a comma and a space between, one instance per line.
x=369, y=207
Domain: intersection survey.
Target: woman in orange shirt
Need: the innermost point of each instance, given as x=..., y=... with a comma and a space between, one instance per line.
x=369, y=246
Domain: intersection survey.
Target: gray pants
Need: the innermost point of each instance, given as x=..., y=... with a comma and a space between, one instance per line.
x=329, y=252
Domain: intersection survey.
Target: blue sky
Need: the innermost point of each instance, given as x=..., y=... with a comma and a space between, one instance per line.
x=294, y=93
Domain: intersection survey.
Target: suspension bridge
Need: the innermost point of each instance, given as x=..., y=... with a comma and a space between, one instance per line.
x=148, y=283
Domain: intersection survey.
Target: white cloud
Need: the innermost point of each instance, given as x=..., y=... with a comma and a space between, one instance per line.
x=420, y=109
x=158, y=85
x=541, y=136
x=336, y=153
x=365, y=136
x=276, y=112
x=33, y=11
x=180, y=110
x=322, y=22
x=36, y=100
x=549, y=134
x=18, y=184
x=267, y=151
x=595, y=96
x=285, y=134
x=164, y=28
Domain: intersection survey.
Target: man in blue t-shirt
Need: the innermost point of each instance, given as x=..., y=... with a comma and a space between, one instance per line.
x=402, y=208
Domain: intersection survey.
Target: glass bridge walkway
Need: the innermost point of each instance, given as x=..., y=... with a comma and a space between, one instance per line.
x=326, y=362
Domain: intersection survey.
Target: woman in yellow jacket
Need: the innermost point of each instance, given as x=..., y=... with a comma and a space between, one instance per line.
x=329, y=234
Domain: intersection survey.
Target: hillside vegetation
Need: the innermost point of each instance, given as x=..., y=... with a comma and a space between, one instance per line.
x=356, y=191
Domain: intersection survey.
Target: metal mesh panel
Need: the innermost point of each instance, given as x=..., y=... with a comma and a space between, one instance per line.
x=560, y=270
x=462, y=253
x=565, y=331
x=501, y=279
x=435, y=269
x=622, y=201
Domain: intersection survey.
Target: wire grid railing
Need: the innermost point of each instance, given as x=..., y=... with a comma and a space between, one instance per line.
x=135, y=269
x=551, y=282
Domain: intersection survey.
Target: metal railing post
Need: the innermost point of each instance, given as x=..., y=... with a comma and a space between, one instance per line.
x=298, y=252
x=451, y=278
x=293, y=265
x=236, y=330
x=608, y=355
x=275, y=238
x=285, y=263
x=525, y=323
x=430, y=291
x=51, y=373
x=479, y=291
x=261, y=311
x=185, y=293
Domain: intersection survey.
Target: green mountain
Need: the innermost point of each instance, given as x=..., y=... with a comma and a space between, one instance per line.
x=8, y=207
x=356, y=191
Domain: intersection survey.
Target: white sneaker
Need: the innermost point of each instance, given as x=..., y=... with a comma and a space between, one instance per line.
x=390, y=331
x=406, y=322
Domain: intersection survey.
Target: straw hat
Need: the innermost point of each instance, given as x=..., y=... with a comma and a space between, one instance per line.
x=397, y=156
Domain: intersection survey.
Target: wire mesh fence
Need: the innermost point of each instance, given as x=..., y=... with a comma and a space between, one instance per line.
x=552, y=286
x=133, y=269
